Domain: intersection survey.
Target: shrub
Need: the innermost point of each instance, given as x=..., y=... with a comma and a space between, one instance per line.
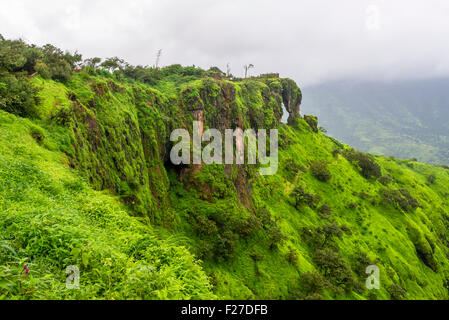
x=18, y=96
x=301, y=197
x=312, y=121
x=385, y=180
x=205, y=250
x=334, y=267
x=336, y=152
x=431, y=179
x=62, y=116
x=314, y=296
x=330, y=231
x=204, y=226
x=276, y=237
x=292, y=257
x=360, y=262
x=249, y=226
x=292, y=168
x=264, y=216
x=424, y=248
x=396, y=292
x=324, y=236
x=352, y=206
x=412, y=202
x=425, y=253
x=42, y=69
x=369, y=168
x=313, y=283
x=400, y=198
x=320, y=171
x=225, y=245
x=325, y=211
x=37, y=133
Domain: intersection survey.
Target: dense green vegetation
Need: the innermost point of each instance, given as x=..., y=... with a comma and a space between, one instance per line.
x=406, y=119
x=85, y=180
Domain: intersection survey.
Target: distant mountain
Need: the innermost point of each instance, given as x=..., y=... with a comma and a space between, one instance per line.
x=408, y=119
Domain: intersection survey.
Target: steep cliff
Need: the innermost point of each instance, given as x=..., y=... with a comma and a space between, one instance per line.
x=121, y=133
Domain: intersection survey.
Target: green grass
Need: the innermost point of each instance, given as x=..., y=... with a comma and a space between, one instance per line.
x=50, y=218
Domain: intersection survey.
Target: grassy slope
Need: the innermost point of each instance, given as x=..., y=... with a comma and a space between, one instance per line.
x=379, y=230
x=50, y=218
x=48, y=210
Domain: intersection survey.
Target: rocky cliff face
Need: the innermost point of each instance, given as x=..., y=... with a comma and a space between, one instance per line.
x=121, y=135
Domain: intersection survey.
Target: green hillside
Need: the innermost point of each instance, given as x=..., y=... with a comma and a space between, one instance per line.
x=86, y=180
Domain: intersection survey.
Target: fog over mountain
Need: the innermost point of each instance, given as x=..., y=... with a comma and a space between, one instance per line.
x=407, y=119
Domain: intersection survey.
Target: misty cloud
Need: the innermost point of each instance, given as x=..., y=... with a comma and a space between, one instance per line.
x=310, y=41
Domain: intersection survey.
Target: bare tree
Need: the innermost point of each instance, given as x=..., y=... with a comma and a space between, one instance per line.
x=228, y=70
x=247, y=67
x=158, y=58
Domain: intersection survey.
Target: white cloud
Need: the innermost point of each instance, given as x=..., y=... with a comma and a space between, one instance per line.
x=308, y=40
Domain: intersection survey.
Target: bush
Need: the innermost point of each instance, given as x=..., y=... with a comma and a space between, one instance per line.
x=334, y=267
x=315, y=296
x=369, y=168
x=225, y=245
x=18, y=96
x=400, y=198
x=264, y=216
x=360, y=262
x=330, y=231
x=425, y=253
x=424, y=248
x=312, y=121
x=204, y=226
x=396, y=292
x=385, y=180
x=336, y=152
x=325, y=211
x=292, y=168
x=37, y=133
x=313, y=283
x=249, y=226
x=62, y=116
x=431, y=179
x=301, y=197
x=42, y=69
x=324, y=236
x=292, y=257
x=320, y=171
x=276, y=237
x=352, y=206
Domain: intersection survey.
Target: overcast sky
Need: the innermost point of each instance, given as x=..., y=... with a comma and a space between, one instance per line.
x=311, y=41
